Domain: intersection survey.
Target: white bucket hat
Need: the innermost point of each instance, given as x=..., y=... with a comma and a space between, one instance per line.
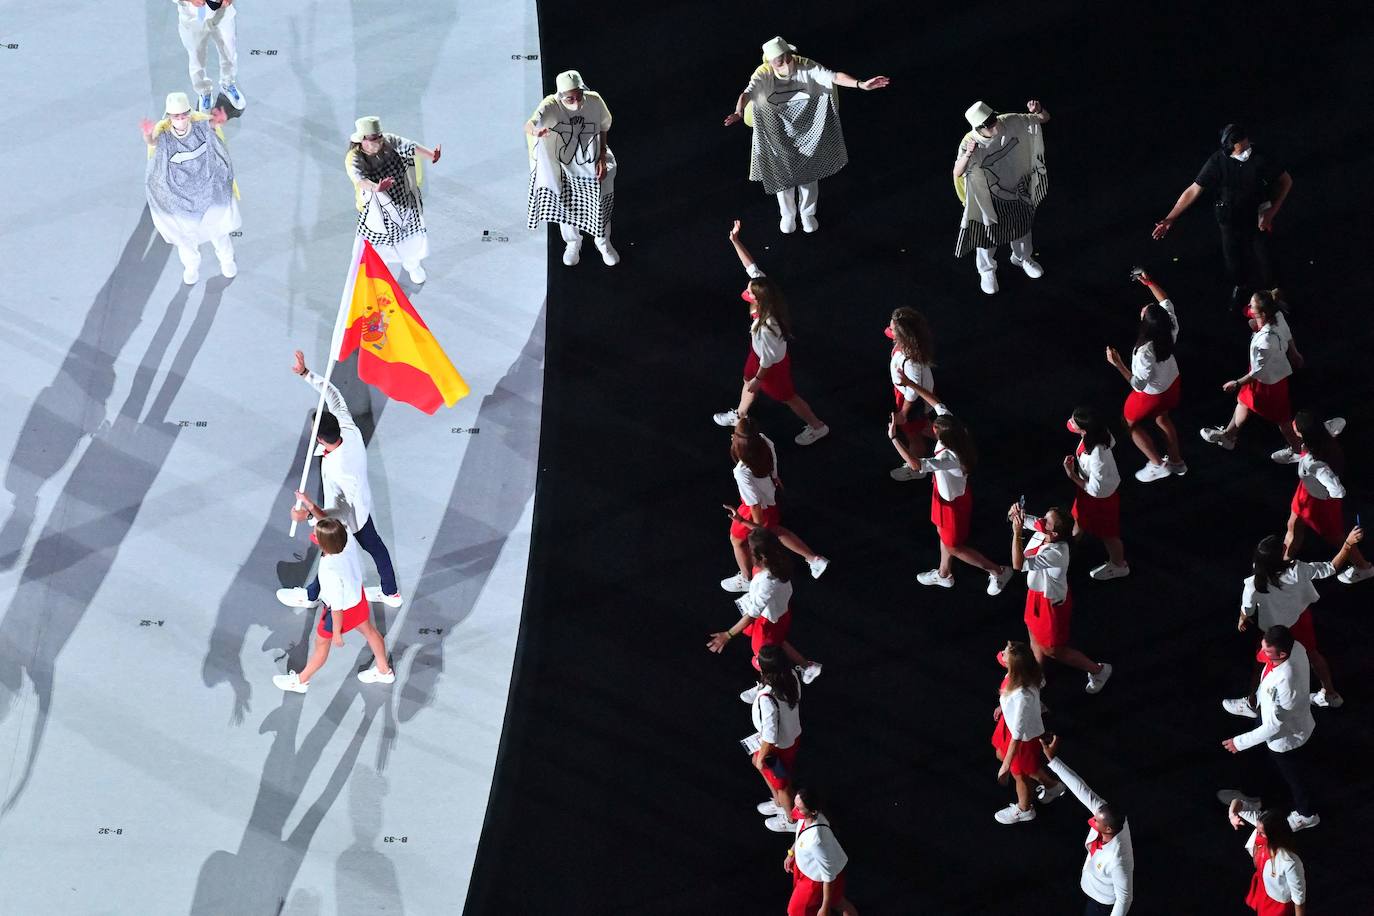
x=365, y=127
x=777, y=47
x=177, y=103
x=978, y=113
x=569, y=80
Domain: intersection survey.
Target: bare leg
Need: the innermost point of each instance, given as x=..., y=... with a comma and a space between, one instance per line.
x=376, y=644
x=1143, y=441
x=1116, y=551
x=1166, y=426
x=973, y=557
x=1068, y=655
x=1023, y=792
x=794, y=656
x=1323, y=672
x=1046, y=778
x=1036, y=649
x=1292, y=540
x=803, y=410
x=318, y=655
x=1238, y=418
x=783, y=799
x=1357, y=559
x=945, y=571
x=742, y=556
x=794, y=543
x=746, y=400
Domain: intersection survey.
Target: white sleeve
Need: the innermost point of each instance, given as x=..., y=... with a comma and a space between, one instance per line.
x=1122, y=880
x=604, y=122
x=546, y=114
x=333, y=399
x=1090, y=463
x=1168, y=306
x=1328, y=479
x=1249, y=603
x=749, y=492
x=1297, y=879
x=768, y=717
x=1017, y=712
x=1143, y=364
x=755, y=601
x=1049, y=556
x=945, y=461
x=1090, y=799
x=769, y=346
x=754, y=270
x=1271, y=715
x=1319, y=570
x=1259, y=354
x=822, y=76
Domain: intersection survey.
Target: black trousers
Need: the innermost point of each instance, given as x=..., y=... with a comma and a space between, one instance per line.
x=1249, y=258
x=1097, y=909
x=1295, y=767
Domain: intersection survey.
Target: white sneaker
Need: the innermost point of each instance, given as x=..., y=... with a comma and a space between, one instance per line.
x=813, y=671
x=817, y=565
x=810, y=224
x=1217, y=436
x=1327, y=700
x=1045, y=796
x=769, y=807
x=1240, y=706
x=905, y=472
x=988, y=281
x=749, y=696
x=1247, y=802
x=1152, y=472
x=1111, y=571
x=190, y=276
x=295, y=597
x=373, y=676
x=609, y=255
x=228, y=270
x=1335, y=426
x=290, y=681
x=1099, y=680
x=781, y=823
x=375, y=593
x=1030, y=266
x=812, y=434
x=787, y=225
x=1352, y=574
x=1176, y=468
x=725, y=418
x=572, y=253
x=1012, y=814
x=998, y=582
x=1285, y=455
x=933, y=577
x=1297, y=822
x=417, y=273
x=736, y=583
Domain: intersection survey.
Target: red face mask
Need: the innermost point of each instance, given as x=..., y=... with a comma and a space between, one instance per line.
x=748, y=297
x=887, y=332
x=797, y=814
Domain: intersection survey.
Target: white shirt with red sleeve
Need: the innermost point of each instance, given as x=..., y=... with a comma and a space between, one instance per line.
x=1283, y=604
x=1318, y=478
x=816, y=851
x=1046, y=564
x=768, y=597
x=1269, y=355
x=778, y=723
x=1151, y=375
x=1098, y=468
x=1021, y=712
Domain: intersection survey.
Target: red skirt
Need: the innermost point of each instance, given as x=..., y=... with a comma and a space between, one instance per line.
x=1099, y=516
x=1269, y=401
x=352, y=617
x=917, y=421
x=764, y=632
x=787, y=760
x=1140, y=406
x=1259, y=900
x=1304, y=631
x=1048, y=624
x=807, y=894
x=777, y=379
x=768, y=518
x=1323, y=516
x=951, y=518
x=1028, y=759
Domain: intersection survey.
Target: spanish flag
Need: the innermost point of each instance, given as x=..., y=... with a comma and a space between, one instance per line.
x=396, y=350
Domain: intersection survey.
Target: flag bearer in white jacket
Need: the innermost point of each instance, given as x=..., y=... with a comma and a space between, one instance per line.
x=1109, y=869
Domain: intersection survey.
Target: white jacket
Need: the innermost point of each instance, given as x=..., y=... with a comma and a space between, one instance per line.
x=1108, y=873
x=1283, y=875
x=1285, y=708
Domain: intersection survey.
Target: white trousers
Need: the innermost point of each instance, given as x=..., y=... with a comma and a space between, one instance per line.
x=1020, y=248
x=573, y=235
x=810, y=194
x=190, y=257
x=196, y=35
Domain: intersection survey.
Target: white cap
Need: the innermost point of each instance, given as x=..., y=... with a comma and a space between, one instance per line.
x=177, y=103
x=777, y=47
x=978, y=113
x=365, y=127
x=569, y=80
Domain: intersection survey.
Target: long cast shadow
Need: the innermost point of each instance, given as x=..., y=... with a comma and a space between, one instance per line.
x=92, y=516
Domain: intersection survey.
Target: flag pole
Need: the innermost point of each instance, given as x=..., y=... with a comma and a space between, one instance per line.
x=345, y=300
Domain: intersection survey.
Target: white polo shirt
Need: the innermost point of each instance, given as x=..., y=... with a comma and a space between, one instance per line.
x=905, y=371
x=1283, y=604
x=341, y=577
x=816, y=851
x=1046, y=564
x=768, y=597
x=758, y=491
x=1022, y=714
x=1318, y=478
x=1151, y=375
x=1098, y=467
x=1269, y=355
x=343, y=470
x=776, y=722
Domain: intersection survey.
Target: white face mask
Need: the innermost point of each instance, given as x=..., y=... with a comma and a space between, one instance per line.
x=1242, y=156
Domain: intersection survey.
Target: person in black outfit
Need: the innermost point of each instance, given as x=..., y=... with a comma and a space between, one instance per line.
x=1249, y=188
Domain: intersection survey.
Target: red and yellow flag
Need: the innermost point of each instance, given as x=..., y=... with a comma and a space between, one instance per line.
x=396, y=350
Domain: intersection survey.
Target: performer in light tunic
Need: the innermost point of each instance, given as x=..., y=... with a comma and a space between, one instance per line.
x=191, y=191
x=1000, y=178
x=572, y=169
x=795, y=113
x=386, y=175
